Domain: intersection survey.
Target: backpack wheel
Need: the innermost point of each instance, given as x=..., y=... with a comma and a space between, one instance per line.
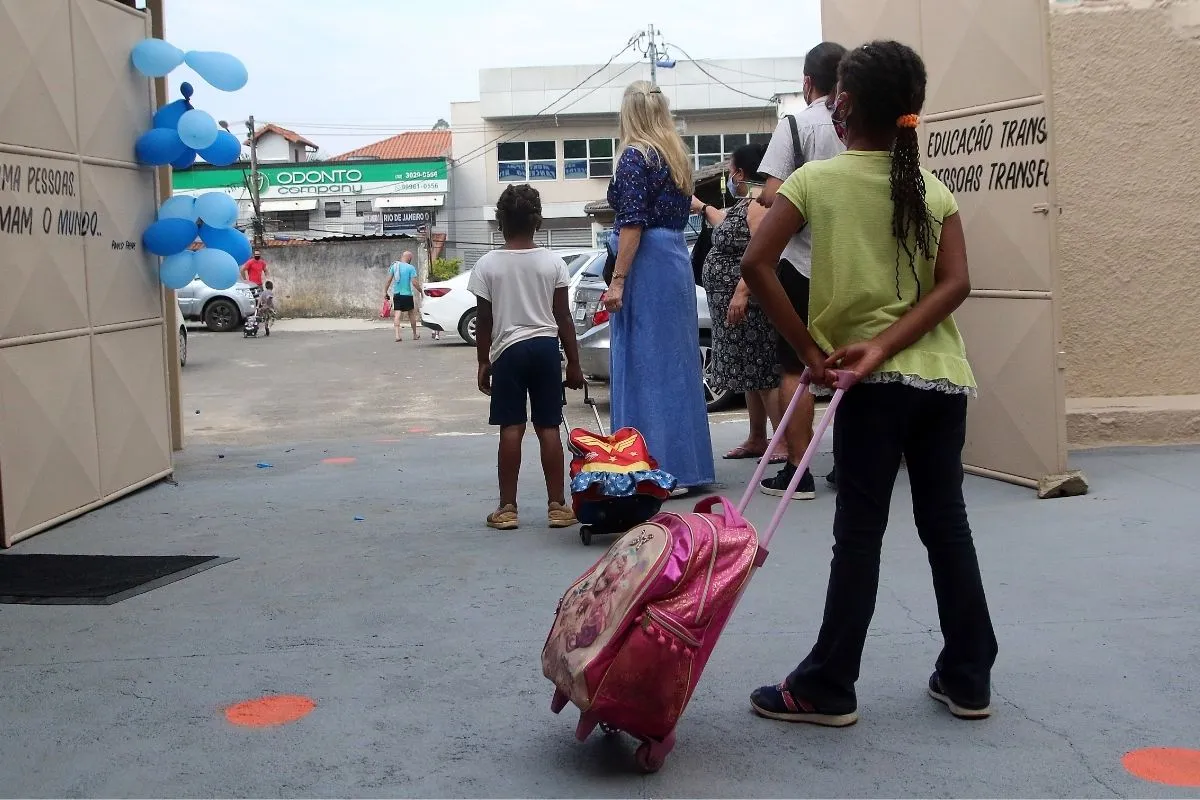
x=649, y=761
x=585, y=535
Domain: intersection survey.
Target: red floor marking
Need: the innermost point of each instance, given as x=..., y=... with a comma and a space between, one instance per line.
x=265, y=712
x=339, y=460
x=1174, y=766
x=418, y=430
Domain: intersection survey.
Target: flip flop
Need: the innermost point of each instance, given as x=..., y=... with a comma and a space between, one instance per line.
x=739, y=453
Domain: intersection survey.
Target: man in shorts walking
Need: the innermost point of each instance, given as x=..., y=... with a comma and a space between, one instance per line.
x=808, y=136
x=402, y=286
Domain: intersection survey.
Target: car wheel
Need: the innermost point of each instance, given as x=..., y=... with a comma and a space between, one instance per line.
x=221, y=315
x=182, y=346
x=466, y=327
x=715, y=400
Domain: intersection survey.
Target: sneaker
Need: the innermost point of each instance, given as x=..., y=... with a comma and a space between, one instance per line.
x=504, y=518
x=777, y=486
x=560, y=515
x=777, y=702
x=831, y=478
x=960, y=711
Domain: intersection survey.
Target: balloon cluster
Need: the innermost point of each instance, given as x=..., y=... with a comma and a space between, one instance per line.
x=180, y=220
x=180, y=133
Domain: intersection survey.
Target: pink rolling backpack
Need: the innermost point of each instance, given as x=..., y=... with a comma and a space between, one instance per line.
x=632, y=636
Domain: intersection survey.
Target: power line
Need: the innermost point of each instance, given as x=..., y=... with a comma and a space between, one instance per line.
x=484, y=147
x=700, y=66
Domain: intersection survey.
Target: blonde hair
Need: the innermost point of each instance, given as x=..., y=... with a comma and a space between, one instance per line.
x=646, y=125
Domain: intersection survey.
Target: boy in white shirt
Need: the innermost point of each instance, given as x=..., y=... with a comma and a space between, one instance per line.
x=522, y=314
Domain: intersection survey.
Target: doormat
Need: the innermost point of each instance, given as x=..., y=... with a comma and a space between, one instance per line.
x=51, y=579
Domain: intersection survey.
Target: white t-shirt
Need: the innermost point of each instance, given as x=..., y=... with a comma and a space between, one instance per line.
x=520, y=286
x=818, y=141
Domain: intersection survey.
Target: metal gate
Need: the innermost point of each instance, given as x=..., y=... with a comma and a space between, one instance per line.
x=988, y=134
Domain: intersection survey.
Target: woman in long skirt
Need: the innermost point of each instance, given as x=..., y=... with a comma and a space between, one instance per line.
x=656, y=378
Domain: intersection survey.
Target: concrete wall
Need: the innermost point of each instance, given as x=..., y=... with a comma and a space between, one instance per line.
x=1126, y=94
x=335, y=278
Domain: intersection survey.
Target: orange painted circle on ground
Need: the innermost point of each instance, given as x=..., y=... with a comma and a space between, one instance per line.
x=339, y=460
x=265, y=712
x=1174, y=766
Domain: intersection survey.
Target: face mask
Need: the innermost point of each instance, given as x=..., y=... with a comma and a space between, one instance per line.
x=732, y=186
x=839, y=117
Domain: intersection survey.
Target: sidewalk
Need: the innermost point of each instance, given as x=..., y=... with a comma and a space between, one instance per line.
x=417, y=632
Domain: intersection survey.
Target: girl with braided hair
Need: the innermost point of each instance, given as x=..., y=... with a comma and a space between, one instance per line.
x=889, y=268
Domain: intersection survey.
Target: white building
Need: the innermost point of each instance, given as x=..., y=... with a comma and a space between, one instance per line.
x=278, y=145
x=529, y=125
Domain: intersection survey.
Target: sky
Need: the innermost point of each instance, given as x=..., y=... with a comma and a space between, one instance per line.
x=345, y=73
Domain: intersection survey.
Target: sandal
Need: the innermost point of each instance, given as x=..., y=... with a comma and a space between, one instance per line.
x=742, y=452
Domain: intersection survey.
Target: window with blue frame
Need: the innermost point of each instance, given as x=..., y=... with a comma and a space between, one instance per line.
x=527, y=161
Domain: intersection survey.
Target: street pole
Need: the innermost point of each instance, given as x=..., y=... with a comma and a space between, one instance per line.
x=256, y=223
x=652, y=51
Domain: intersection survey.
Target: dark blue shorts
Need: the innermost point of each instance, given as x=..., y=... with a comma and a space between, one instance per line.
x=531, y=370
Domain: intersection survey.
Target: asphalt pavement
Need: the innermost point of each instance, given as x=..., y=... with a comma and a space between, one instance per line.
x=365, y=584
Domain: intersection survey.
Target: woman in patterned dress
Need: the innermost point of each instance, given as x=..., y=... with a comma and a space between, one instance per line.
x=657, y=385
x=743, y=340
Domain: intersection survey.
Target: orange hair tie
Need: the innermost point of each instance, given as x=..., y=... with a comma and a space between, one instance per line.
x=909, y=121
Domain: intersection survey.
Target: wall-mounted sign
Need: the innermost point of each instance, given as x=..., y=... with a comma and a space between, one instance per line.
x=405, y=220
x=300, y=180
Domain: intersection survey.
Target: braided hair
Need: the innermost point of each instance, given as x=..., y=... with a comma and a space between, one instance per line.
x=519, y=210
x=887, y=82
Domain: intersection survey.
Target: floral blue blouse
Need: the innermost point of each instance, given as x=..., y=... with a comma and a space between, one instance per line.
x=642, y=194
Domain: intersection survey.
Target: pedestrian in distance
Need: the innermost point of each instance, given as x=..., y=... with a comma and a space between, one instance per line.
x=889, y=268
x=255, y=270
x=402, y=286
x=523, y=315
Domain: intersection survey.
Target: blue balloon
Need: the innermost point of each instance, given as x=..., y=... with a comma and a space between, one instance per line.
x=180, y=206
x=186, y=90
x=169, y=236
x=168, y=116
x=186, y=160
x=231, y=240
x=197, y=129
x=154, y=58
x=216, y=268
x=221, y=70
x=224, y=151
x=177, y=271
x=217, y=210
x=158, y=147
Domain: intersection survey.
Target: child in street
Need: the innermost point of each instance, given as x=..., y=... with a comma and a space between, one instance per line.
x=522, y=315
x=889, y=268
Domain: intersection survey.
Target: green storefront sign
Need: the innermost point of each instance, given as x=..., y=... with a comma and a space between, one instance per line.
x=299, y=180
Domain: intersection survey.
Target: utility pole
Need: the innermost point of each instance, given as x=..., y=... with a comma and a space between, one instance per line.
x=652, y=52
x=257, y=222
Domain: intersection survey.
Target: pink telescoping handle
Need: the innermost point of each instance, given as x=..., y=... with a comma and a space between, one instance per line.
x=843, y=380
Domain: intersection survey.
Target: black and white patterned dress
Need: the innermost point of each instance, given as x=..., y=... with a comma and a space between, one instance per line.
x=744, y=355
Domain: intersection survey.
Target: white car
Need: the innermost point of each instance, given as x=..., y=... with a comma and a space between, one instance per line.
x=449, y=306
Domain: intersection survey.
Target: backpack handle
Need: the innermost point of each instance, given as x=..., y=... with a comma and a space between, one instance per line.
x=733, y=519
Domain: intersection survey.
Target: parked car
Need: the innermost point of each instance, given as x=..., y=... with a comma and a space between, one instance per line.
x=182, y=340
x=448, y=306
x=220, y=309
x=592, y=330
